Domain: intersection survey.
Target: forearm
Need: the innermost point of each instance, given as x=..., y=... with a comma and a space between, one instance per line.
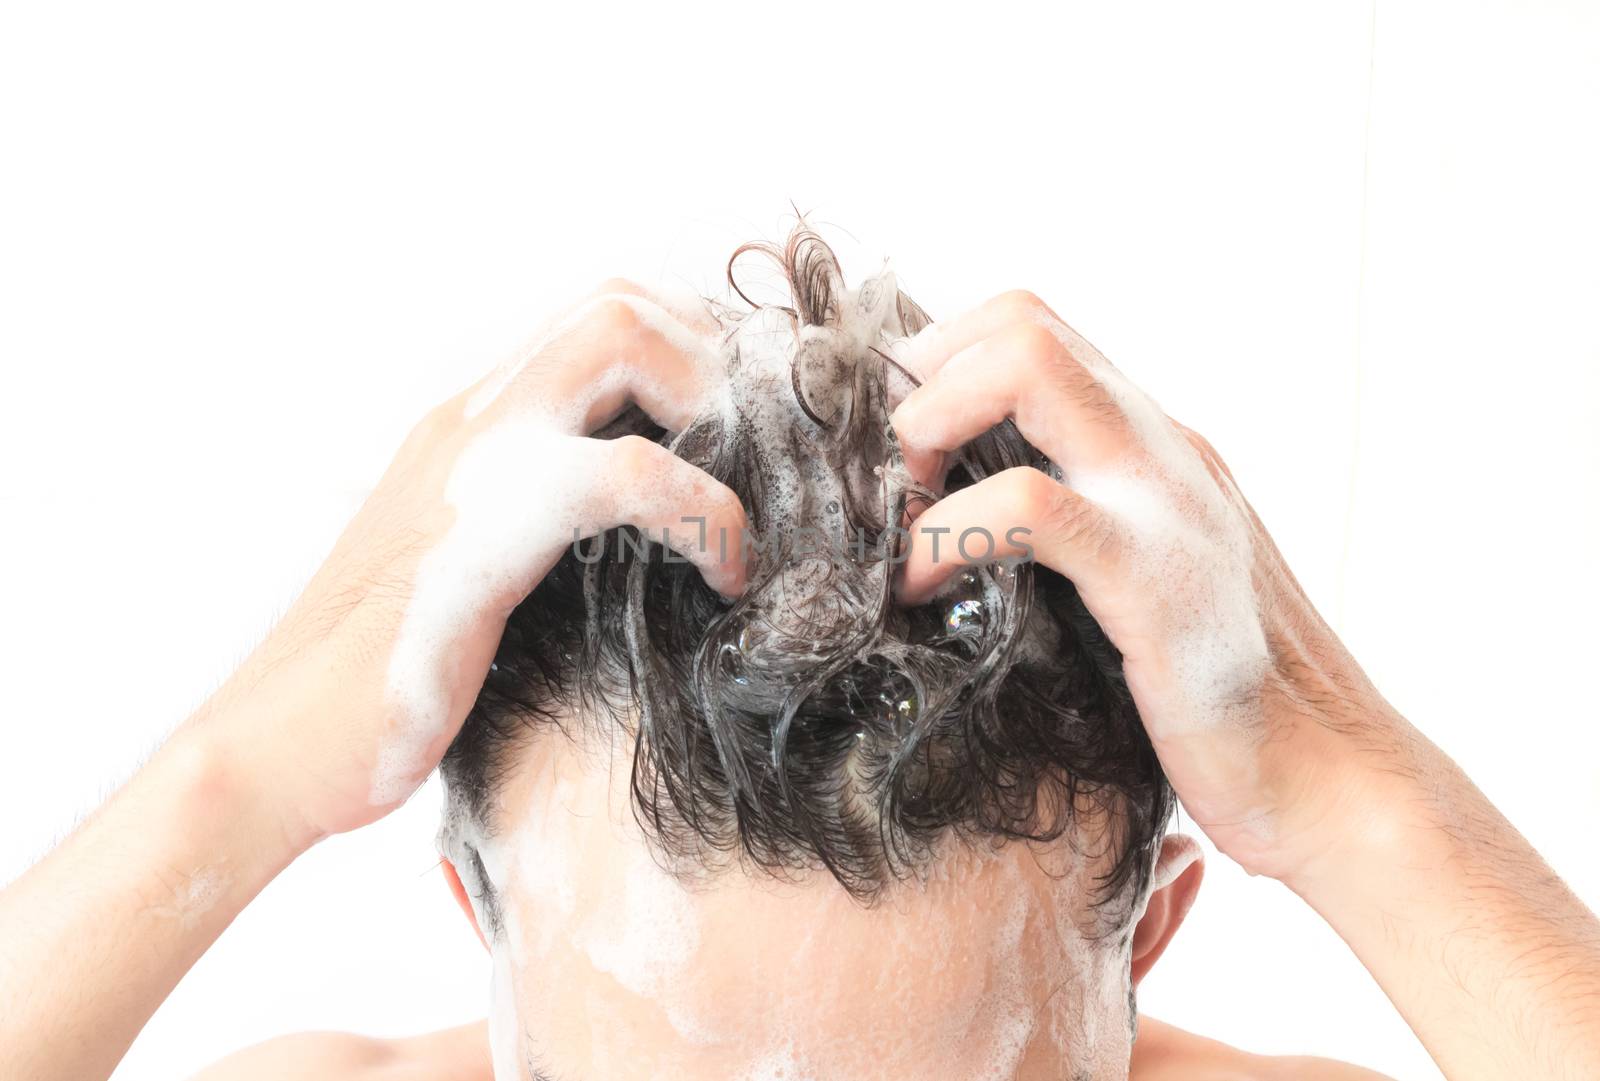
x=1492, y=960
x=94, y=937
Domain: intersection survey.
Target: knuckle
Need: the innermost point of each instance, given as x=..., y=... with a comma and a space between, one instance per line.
x=624, y=286
x=615, y=312
x=1023, y=303
x=1095, y=399
x=1039, y=360
x=1201, y=444
x=633, y=454
x=437, y=425
x=1076, y=522
x=1031, y=493
x=1035, y=349
x=1055, y=511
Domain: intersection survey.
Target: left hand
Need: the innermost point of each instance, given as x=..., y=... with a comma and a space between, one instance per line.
x=1261, y=719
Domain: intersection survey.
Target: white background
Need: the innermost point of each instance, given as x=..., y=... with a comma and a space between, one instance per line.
x=242, y=250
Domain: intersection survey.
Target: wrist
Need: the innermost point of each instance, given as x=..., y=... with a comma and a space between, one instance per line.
x=1375, y=815
x=1318, y=790
x=220, y=787
x=283, y=738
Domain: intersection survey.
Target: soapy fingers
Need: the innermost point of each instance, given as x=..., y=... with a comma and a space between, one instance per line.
x=926, y=353
x=1023, y=371
x=484, y=498
x=615, y=349
x=525, y=483
x=622, y=347
x=1145, y=521
x=349, y=703
x=665, y=497
x=1020, y=513
x=1276, y=742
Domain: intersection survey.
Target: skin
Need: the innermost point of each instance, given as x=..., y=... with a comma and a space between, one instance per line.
x=1490, y=958
x=613, y=968
x=1319, y=783
x=1162, y=1053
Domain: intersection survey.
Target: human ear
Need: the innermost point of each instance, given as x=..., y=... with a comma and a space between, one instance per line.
x=452, y=878
x=1173, y=885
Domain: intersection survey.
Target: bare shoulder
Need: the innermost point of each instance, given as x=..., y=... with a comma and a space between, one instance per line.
x=1162, y=1053
x=457, y=1054
x=1165, y=1053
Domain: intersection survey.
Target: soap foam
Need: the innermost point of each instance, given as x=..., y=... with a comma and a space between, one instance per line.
x=198, y=895
x=521, y=490
x=1188, y=548
x=505, y=1022
x=652, y=319
x=986, y=962
x=979, y=968
x=646, y=933
x=497, y=547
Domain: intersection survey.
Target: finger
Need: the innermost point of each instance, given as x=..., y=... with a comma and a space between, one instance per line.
x=1020, y=513
x=622, y=350
x=687, y=308
x=925, y=353
x=613, y=350
x=648, y=487
x=1022, y=372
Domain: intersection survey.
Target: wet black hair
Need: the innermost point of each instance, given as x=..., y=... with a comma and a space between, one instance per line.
x=813, y=722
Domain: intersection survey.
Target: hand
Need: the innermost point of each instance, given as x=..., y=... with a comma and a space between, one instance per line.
x=347, y=705
x=353, y=699
x=1277, y=744
x=1258, y=714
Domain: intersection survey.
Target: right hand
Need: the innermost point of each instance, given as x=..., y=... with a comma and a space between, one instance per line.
x=350, y=702
x=1261, y=719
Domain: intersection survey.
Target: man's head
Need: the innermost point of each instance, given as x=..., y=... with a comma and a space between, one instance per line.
x=810, y=825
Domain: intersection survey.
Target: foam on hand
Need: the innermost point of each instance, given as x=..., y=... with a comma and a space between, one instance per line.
x=494, y=547
x=527, y=482
x=1188, y=551
x=611, y=963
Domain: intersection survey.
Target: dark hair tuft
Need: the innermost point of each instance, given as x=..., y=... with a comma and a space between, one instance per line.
x=813, y=721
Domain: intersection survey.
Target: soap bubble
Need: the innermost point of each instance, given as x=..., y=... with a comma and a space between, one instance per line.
x=897, y=707
x=964, y=617
x=732, y=655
